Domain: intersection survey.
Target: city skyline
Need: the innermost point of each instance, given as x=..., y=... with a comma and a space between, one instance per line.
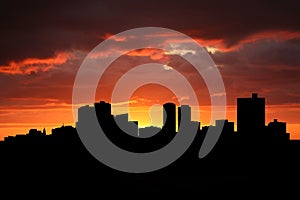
x=250, y=118
x=230, y=69
x=248, y=155
x=255, y=47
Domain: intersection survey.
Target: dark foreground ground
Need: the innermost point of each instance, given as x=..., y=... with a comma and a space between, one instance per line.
x=65, y=169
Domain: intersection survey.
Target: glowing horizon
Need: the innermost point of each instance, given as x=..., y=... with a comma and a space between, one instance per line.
x=37, y=91
x=139, y=113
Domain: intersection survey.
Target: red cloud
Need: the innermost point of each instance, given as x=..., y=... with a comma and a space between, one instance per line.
x=220, y=44
x=267, y=35
x=34, y=65
x=154, y=54
x=114, y=37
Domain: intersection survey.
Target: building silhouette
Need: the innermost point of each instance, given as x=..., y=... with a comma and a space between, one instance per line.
x=147, y=132
x=35, y=133
x=103, y=111
x=169, y=118
x=251, y=117
x=84, y=112
x=277, y=131
x=33, y=136
x=62, y=156
x=129, y=127
x=227, y=134
x=64, y=133
x=184, y=113
x=250, y=127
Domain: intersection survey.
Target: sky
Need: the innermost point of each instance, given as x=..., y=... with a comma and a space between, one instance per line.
x=255, y=45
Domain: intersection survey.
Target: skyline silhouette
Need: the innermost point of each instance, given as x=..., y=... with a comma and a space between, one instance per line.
x=248, y=110
x=254, y=46
x=238, y=159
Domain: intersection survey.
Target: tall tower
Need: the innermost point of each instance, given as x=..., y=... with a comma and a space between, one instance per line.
x=250, y=114
x=169, y=117
x=103, y=110
x=184, y=113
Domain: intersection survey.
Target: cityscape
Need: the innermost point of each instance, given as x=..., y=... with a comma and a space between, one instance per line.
x=130, y=99
x=251, y=125
x=255, y=153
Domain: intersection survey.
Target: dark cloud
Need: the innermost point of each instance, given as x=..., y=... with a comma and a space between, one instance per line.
x=41, y=28
x=269, y=67
x=54, y=84
x=266, y=52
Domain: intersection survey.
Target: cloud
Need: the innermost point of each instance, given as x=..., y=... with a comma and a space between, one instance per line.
x=154, y=54
x=34, y=65
x=180, y=52
x=114, y=37
x=124, y=103
x=255, y=45
x=267, y=66
x=166, y=67
x=264, y=52
x=183, y=98
x=28, y=30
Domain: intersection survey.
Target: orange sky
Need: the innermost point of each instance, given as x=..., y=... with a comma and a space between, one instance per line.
x=50, y=118
x=37, y=92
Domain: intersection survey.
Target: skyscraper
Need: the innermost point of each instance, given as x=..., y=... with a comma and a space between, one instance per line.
x=184, y=113
x=103, y=110
x=250, y=115
x=169, y=117
x=277, y=131
x=105, y=118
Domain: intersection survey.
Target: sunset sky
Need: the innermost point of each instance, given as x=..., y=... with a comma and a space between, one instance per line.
x=255, y=44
